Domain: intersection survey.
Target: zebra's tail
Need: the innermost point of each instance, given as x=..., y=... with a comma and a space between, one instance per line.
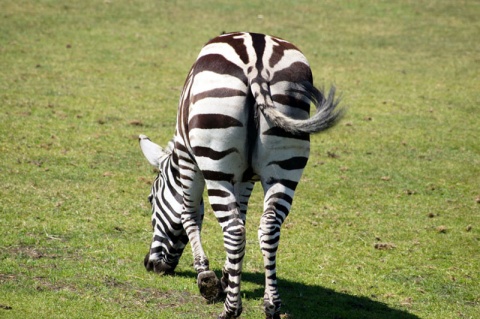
x=327, y=114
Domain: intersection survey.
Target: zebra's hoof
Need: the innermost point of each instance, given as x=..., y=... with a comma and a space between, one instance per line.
x=209, y=285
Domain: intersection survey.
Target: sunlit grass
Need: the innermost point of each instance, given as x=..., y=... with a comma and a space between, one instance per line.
x=385, y=223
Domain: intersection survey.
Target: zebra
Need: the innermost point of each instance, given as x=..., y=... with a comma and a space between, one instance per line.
x=243, y=117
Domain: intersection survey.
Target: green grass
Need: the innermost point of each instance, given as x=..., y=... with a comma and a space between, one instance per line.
x=80, y=80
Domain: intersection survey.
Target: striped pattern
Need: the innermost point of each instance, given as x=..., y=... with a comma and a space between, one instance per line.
x=243, y=117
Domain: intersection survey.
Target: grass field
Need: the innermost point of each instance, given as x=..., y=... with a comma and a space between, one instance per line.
x=386, y=222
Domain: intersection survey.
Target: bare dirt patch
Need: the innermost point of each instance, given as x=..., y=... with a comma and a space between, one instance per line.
x=384, y=246
x=29, y=252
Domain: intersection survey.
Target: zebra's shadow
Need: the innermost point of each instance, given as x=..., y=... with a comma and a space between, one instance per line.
x=301, y=300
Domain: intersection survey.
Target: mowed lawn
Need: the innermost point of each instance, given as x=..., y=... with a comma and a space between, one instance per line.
x=386, y=220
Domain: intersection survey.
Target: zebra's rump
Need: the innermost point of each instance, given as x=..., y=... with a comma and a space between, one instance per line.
x=233, y=75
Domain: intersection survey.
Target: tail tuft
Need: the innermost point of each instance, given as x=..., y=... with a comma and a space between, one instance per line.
x=327, y=114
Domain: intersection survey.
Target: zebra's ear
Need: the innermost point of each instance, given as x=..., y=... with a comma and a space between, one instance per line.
x=151, y=151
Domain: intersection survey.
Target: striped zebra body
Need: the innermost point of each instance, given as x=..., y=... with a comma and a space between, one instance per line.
x=243, y=117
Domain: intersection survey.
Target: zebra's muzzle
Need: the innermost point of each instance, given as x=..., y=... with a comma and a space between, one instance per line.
x=158, y=266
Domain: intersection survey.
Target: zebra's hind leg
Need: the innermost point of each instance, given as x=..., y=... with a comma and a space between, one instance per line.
x=278, y=200
x=234, y=242
x=244, y=190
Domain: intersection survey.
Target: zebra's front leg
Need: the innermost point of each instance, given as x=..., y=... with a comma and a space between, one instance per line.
x=192, y=219
x=208, y=283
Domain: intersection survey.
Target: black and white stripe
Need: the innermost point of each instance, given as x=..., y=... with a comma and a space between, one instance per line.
x=243, y=117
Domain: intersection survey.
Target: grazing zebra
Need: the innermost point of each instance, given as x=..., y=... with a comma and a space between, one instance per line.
x=243, y=117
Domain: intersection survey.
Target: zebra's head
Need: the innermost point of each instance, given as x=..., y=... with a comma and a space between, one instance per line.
x=169, y=238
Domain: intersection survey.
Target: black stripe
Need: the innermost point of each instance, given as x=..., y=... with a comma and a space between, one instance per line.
x=279, y=51
x=186, y=159
x=297, y=72
x=172, y=189
x=283, y=196
x=269, y=250
x=252, y=133
x=186, y=168
x=164, y=240
x=161, y=214
x=213, y=121
x=277, y=131
x=224, y=219
x=237, y=43
x=217, y=176
x=235, y=261
x=271, y=241
x=174, y=174
x=186, y=177
x=235, y=273
x=259, y=43
x=297, y=162
x=291, y=101
x=285, y=182
x=182, y=148
x=218, y=193
x=165, y=226
x=217, y=93
x=224, y=208
x=217, y=63
x=271, y=267
x=208, y=152
x=281, y=208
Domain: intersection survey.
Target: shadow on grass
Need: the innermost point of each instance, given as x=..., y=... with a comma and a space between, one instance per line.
x=302, y=301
